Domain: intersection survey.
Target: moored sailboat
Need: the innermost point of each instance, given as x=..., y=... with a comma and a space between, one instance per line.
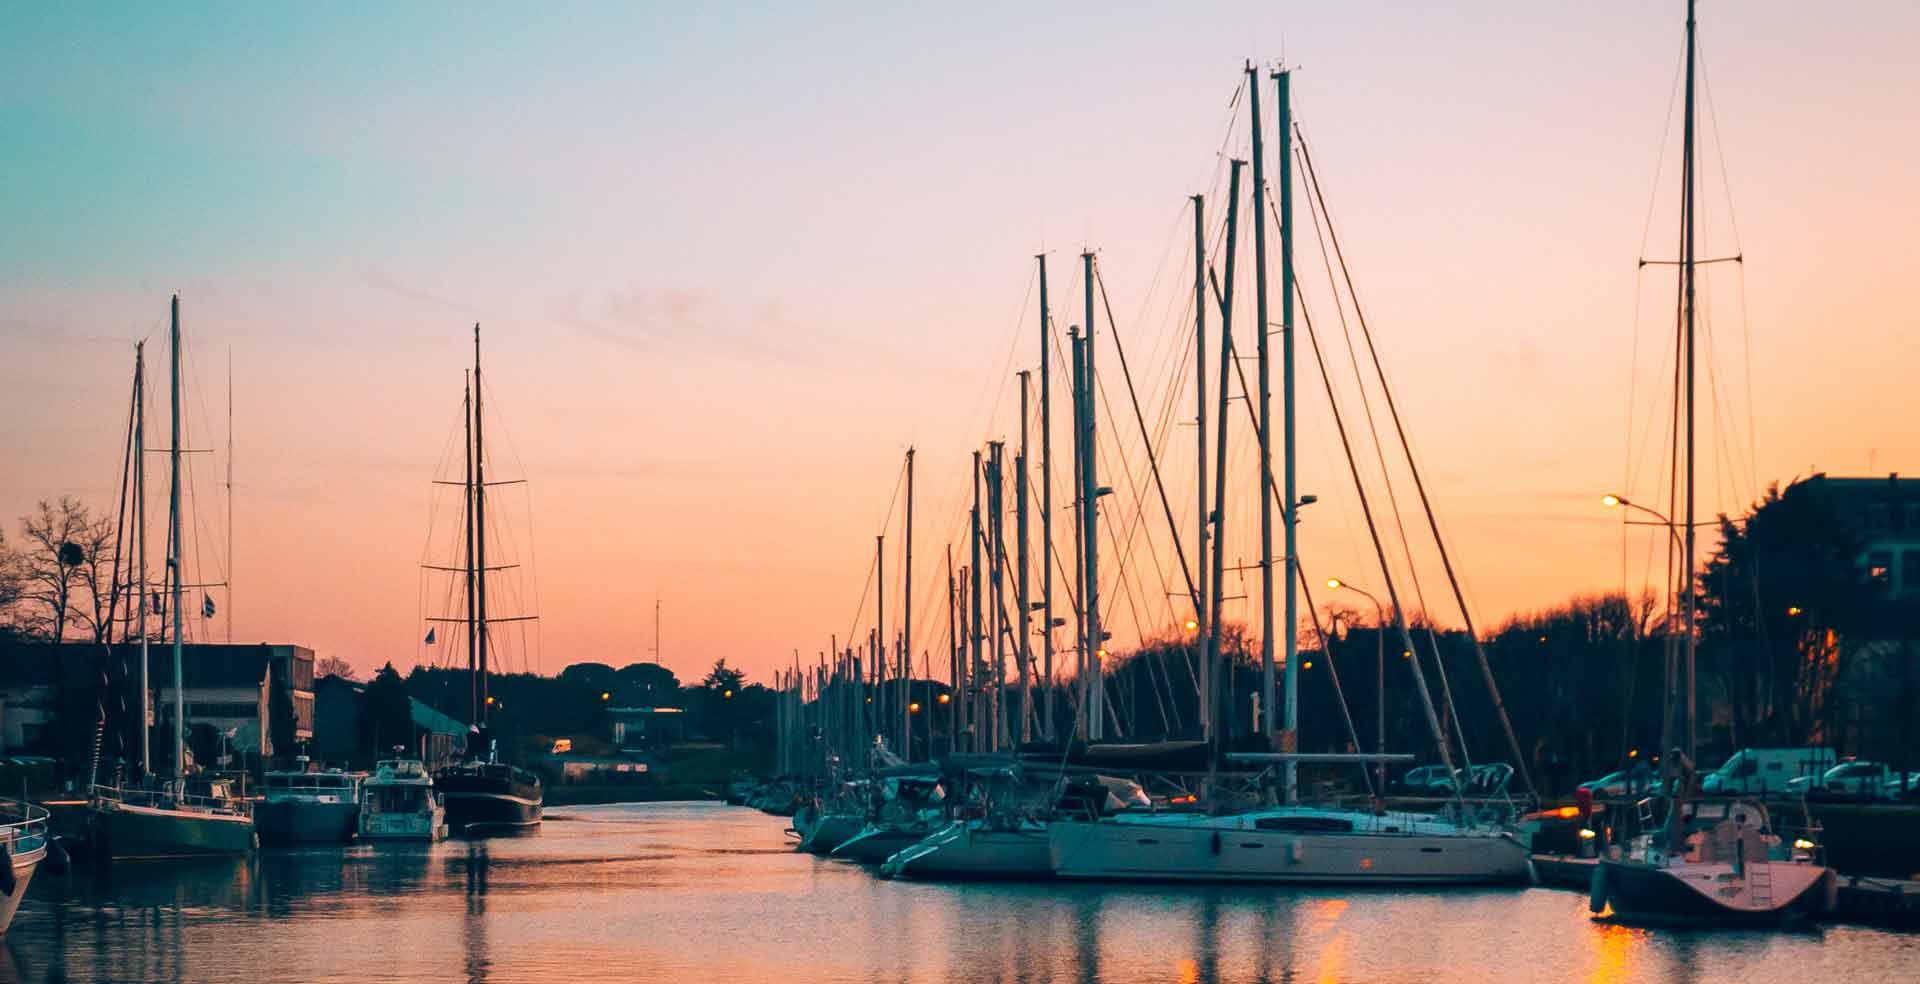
x=23, y=837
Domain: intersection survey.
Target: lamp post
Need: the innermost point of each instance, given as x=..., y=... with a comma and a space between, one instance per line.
x=1380, y=679
x=1666, y=715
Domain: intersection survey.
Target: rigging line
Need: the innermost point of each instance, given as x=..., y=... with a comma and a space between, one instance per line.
x=1113, y=331
x=1133, y=483
x=1316, y=206
x=1420, y=485
x=1326, y=654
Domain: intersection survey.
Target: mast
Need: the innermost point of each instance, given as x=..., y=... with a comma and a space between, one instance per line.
x=906, y=628
x=953, y=665
x=173, y=554
x=1201, y=634
x=1265, y=724
x=973, y=598
x=1220, y=677
x=880, y=620
x=1023, y=652
x=1290, y=514
x=996, y=583
x=473, y=643
x=1687, y=308
x=1079, y=359
x=1090, y=514
x=140, y=519
x=1046, y=507
x=229, y=495
x=479, y=493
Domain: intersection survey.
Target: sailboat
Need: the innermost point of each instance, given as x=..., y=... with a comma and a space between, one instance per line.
x=482, y=793
x=183, y=815
x=23, y=836
x=1713, y=861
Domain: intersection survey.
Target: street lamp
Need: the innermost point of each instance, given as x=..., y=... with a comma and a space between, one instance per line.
x=1380, y=677
x=1612, y=501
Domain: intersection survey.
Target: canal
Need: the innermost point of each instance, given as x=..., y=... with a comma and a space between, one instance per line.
x=710, y=893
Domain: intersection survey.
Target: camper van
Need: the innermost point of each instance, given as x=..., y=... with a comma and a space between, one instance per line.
x=1763, y=771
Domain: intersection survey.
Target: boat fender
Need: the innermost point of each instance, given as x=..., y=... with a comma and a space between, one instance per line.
x=59, y=862
x=1213, y=843
x=7, y=882
x=1597, y=890
x=1296, y=852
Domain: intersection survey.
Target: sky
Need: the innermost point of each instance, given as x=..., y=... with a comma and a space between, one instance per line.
x=732, y=263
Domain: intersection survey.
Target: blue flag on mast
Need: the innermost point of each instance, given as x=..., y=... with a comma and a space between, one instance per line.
x=429, y=635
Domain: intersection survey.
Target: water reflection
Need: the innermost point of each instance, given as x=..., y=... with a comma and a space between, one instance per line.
x=715, y=895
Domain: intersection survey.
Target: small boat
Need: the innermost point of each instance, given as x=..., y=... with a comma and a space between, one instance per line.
x=188, y=817
x=1730, y=868
x=301, y=807
x=23, y=835
x=483, y=796
x=1289, y=844
x=830, y=830
x=398, y=802
x=881, y=840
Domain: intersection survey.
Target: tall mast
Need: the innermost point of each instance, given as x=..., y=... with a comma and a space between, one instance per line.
x=1686, y=304
x=473, y=606
x=1090, y=514
x=973, y=597
x=1046, y=506
x=479, y=493
x=1222, y=677
x=906, y=629
x=140, y=520
x=174, y=573
x=1265, y=724
x=229, y=495
x=996, y=584
x=1201, y=633
x=953, y=664
x=1079, y=360
x=880, y=620
x=1024, y=651
x=1290, y=513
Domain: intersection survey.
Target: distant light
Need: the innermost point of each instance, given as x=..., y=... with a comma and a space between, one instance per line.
x=489, y=700
x=1543, y=639
x=605, y=695
x=913, y=708
x=1587, y=834
x=1308, y=665
x=1793, y=611
x=1633, y=753
x=944, y=698
x=1192, y=625
x=1567, y=812
x=1101, y=652
x=1610, y=500
x=1334, y=583
x=869, y=700
x=1802, y=844
x=727, y=693
x=1406, y=654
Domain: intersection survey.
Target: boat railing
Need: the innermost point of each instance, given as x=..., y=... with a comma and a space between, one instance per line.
x=23, y=827
x=337, y=784
x=170, y=799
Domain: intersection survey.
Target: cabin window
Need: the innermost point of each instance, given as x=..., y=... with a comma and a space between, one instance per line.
x=1305, y=824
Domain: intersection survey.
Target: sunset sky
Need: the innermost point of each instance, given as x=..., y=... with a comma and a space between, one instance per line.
x=730, y=265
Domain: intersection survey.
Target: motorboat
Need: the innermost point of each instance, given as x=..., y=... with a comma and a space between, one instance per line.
x=398, y=802
x=186, y=817
x=488, y=795
x=301, y=807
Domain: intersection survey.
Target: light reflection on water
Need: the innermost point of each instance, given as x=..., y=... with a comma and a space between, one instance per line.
x=714, y=894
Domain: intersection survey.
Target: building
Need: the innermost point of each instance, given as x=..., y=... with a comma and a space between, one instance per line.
x=437, y=738
x=1885, y=514
x=228, y=688
x=636, y=728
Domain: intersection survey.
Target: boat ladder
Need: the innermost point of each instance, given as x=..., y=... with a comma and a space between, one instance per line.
x=1760, y=884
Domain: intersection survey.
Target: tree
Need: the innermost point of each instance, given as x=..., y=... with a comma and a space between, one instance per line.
x=62, y=548
x=723, y=677
x=334, y=666
x=718, y=693
x=10, y=587
x=386, y=719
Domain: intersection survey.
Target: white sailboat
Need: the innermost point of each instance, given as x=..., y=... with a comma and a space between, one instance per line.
x=23, y=838
x=182, y=816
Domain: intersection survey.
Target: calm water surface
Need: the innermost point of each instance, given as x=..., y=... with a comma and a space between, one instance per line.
x=708, y=893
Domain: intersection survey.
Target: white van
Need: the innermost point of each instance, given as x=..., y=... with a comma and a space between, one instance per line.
x=1767, y=770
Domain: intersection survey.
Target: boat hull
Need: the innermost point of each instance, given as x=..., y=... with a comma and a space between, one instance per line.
x=1156, y=852
x=1762, y=893
x=876, y=844
x=830, y=831
x=476, y=811
x=305, y=823
x=149, y=832
x=23, y=868
x=970, y=852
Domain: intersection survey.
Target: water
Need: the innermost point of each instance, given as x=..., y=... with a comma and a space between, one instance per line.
x=711, y=894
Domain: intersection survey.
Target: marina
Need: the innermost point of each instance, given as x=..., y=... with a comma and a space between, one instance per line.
x=1346, y=555
x=711, y=892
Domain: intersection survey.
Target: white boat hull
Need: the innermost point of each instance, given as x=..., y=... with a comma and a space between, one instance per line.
x=1198, y=852
x=973, y=851
x=23, y=869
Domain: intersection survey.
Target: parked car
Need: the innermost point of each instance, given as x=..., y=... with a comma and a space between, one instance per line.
x=1427, y=780
x=1637, y=780
x=1766, y=770
x=1848, y=780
